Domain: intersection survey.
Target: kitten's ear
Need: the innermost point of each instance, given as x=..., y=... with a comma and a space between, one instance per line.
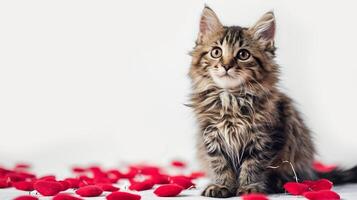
x=264, y=29
x=209, y=24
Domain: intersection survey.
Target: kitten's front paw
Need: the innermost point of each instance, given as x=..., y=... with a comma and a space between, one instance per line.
x=252, y=188
x=217, y=191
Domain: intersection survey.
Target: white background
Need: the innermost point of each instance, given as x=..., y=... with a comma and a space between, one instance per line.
x=104, y=81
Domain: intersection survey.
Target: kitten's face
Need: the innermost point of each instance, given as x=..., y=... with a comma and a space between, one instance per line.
x=233, y=56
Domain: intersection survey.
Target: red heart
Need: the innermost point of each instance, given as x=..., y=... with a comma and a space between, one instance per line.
x=123, y=196
x=254, y=197
x=296, y=188
x=23, y=185
x=182, y=181
x=22, y=166
x=78, y=169
x=5, y=182
x=131, y=173
x=73, y=182
x=140, y=186
x=64, y=196
x=89, y=191
x=47, y=188
x=195, y=175
x=160, y=179
x=107, y=187
x=178, y=163
x=65, y=185
x=26, y=197
x=320, y=167
x=322, y=184
x=322, y=195
x=169, y=190
x=48, y=178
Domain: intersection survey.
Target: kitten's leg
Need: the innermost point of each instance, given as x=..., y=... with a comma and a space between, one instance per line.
x=225, y=180
x=253, y=177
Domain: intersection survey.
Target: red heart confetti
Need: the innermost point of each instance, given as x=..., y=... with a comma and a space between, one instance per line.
x=26, y=197
x=89, y=191
x=296, y=188
x=48, y=178
x=322, y=184
x=23, y=185
x=22, y=166
x=73, y=182
x=160, y=179
x=322, y=195
x=178, y=163
x=320, y=167
x=64, y=196
x=254, y=196
x=195, y=175
x=169, y=190
x=143, y=185
x=123, y=196
x=182, y=181
x=107, y=187
x=47, y=188
x=5, y=182
x=78, y=170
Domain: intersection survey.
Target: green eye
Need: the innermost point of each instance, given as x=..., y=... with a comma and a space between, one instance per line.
x=243, y=54
x=216, y=52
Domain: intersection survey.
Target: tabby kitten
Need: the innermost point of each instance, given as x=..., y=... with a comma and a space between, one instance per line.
x=246, y=124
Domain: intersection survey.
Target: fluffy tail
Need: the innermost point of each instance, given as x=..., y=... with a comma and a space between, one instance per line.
x=340, y=176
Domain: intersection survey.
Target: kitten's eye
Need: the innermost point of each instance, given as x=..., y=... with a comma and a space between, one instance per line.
x=243, y=54
x=216, y=52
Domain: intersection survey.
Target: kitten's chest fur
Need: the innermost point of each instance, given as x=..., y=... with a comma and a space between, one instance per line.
x=228, y=121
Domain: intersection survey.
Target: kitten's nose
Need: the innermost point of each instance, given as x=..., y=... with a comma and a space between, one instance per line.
x=227, y=67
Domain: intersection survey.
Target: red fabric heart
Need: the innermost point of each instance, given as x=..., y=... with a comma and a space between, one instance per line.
x=26, y=197
x=48, y=178
x=131, y=173
x=89, y=191
x=320, y=167
x=64, y=196
x=114, y=175
x=22, y=166
x=47, y=188
x=73, y=182
x=20, y=176
x=322, y=184
x=169, y=190
x=107, y=187
x=65, y=185
x=23, y=185
x=123, y=196
x=322, y=195
x=195, y=175
x=160, y=179
x=5, y=182
x=254, y=197
x=140, y=186
x=147, y=169
x=78, y=170
x=182, y=181
x=178, y=163
x=296, y=188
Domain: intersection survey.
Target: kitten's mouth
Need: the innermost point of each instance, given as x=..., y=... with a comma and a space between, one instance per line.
x=226, y=75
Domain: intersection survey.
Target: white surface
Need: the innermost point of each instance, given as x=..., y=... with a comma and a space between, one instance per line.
x=101, y=81
x=348, y=192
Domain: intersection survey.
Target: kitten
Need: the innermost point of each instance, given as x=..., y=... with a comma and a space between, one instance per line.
x=247, y=125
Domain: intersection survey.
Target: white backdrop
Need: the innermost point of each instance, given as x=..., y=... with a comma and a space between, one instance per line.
x=103, y=81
